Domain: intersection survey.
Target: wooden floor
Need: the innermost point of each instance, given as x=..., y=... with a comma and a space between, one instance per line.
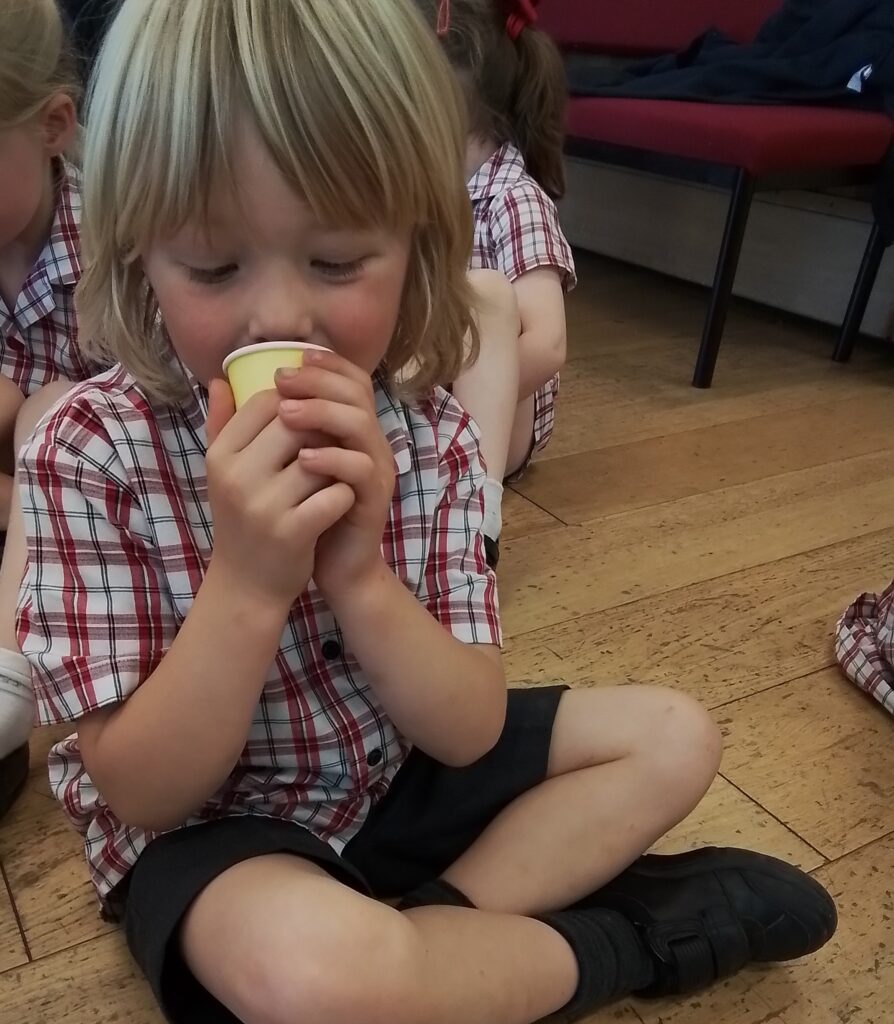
x=705, y=540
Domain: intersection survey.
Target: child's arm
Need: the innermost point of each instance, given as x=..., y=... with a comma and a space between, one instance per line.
x=163, y=713
x=446, y=696
x=11, y=400
x=542, y=343
x=531, y=250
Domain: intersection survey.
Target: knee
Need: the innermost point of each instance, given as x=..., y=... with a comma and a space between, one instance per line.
x=684, y=743
x=371, y=982
x=36, y=406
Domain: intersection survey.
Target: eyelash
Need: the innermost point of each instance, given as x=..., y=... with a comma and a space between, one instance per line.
x=220, y=275
x=213, y=275
x=339, y=270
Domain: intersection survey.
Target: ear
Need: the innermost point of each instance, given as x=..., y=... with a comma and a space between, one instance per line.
x=58, y=124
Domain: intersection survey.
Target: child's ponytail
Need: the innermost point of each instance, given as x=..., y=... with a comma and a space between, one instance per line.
x=537, y=110
x=512, y=76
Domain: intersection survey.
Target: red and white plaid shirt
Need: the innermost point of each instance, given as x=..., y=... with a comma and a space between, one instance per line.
x=864, y=645
x=517, y=230
x=40, y=333
x=119, y=532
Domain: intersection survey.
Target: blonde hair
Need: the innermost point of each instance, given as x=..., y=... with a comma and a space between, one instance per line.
x=35, y=60
x=357, y=108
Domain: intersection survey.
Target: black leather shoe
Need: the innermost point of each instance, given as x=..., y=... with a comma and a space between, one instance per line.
x=704, y=915
x=13, y=775
x=491, y=551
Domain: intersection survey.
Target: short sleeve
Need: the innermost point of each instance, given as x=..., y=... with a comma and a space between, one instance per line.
x=526, y=234
x=94, y=619
x=458, y=588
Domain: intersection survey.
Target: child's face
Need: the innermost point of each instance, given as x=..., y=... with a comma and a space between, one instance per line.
x=26, y=152
x=23, y=180
x=265, y=269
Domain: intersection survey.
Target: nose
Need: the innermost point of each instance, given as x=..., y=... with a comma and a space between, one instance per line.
x=282, y=307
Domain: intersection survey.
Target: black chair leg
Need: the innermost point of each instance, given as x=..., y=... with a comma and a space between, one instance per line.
x=856, y=309
x=727, y=262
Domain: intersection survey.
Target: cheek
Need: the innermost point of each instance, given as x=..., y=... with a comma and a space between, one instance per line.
x=374, y=310
x=195, y=325
x=21, y=186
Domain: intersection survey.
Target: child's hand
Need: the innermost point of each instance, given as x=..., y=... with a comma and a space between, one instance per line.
x=268, y=510
x=331, y=395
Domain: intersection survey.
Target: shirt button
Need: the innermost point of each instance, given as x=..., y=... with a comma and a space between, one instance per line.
x=374, y=757
x=331, y=649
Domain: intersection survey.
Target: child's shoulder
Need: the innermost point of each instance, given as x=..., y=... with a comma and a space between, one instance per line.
x=96, y=412
x=504, y=178
x=437, y=429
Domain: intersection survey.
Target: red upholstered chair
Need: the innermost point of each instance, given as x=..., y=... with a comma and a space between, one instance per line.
x=743, y=147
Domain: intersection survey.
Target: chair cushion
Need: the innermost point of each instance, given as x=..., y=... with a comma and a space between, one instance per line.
x=760, y=139
x=649, y=26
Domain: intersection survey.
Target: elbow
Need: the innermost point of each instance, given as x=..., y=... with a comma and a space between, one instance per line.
x=138, y=810
x=126, y=791
x=482, y=735
x=555, y=352
x=147, y=819
x=544, y=355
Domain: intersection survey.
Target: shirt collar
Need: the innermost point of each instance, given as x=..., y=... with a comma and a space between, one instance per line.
x=59, y=262
x=504, y=168
x=60, y=259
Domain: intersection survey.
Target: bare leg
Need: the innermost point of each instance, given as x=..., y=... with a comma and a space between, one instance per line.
x=11, y=401
x=626, y=764
x=15, y=554
x=277, y=940
x=488, y=390
x=522, y=435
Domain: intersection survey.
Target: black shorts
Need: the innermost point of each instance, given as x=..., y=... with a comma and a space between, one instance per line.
x=429, y=817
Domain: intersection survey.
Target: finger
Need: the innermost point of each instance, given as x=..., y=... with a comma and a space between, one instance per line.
x=319, y=382
x=293, y=484
x=221, y=408
x=275, y=447
x=357, y=469
x=353, y=427
x=329, y=360
x=321, y=511
x=236, y=433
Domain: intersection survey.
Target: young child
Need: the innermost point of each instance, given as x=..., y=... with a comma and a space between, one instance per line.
x=39, y=266
x=514, y=86
x=282, y=661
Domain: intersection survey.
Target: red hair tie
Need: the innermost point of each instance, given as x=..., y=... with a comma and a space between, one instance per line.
x=443, y=18
x=522, y=13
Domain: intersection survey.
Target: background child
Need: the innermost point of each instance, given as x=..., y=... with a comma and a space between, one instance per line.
x=285, y=658
x=514, y=84
x=39, y=266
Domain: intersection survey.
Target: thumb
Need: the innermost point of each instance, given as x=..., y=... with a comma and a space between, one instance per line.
x=221, y=408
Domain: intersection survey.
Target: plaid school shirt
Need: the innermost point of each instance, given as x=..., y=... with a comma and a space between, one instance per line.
x=40, y=333
x=517, y=230
x=119, y=533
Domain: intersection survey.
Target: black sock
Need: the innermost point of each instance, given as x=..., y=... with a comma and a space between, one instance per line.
x=436, y=893
x=612, y=958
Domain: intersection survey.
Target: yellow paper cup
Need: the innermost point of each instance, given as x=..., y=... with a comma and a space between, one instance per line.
x=253, y=368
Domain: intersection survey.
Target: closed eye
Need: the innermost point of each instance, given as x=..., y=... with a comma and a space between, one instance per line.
x=212, y=275
x=339, y=270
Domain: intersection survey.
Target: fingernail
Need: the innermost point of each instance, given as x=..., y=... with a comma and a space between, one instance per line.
x=286, y=372
x=313, y=355
x=307, y=454
x=290, y=405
